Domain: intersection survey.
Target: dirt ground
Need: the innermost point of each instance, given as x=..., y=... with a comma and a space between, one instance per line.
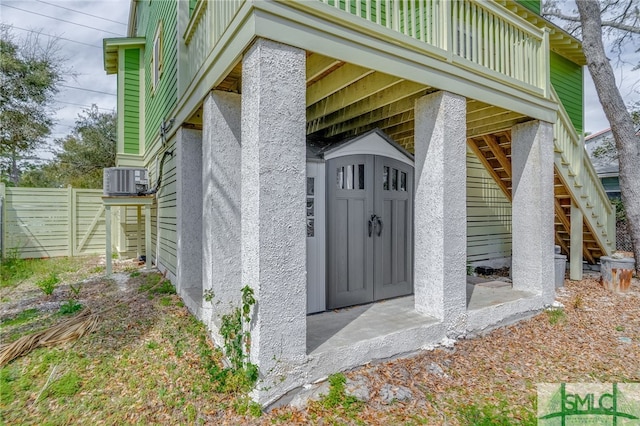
x=150, y=362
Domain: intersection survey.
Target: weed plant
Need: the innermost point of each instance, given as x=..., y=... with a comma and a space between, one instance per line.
x=49, y=284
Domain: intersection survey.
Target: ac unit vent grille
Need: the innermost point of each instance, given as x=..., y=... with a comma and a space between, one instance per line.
x=126, y=181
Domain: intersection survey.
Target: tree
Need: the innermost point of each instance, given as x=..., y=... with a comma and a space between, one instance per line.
x=624, y=26
x=620, y=21
x=89, y=148
x=30, y=71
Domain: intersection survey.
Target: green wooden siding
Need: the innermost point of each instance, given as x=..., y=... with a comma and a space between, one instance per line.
x=488, y=215
x=164, y=235
x=159, y=101
x=532, y=5
x=566, y=78
x=132, y=101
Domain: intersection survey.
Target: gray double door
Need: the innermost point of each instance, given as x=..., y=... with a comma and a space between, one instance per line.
x=370, y=229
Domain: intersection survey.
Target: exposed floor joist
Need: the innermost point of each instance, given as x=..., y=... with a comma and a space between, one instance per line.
x=345, y=100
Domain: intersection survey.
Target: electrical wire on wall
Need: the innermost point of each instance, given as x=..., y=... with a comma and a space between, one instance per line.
x=165, y=126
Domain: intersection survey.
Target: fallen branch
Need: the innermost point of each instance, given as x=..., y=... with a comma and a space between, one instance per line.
x=66, y=331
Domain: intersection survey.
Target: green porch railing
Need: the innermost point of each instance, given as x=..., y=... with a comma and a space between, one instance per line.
x=478, y=35
x=482, y=34
x=572, y=162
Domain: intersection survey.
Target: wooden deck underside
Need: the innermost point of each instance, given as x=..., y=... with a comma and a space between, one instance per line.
x=345, y=100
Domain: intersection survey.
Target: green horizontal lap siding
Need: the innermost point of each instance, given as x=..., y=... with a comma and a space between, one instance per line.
x=129, y=225
x=132, y=101
x=488, y=215
x=163, y=215
x=532, y=5
x=159, y=102
x=566, y=78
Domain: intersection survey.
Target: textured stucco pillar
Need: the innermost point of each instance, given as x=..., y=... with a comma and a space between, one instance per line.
x=440, y=208
x=221, y=267
x=575, y=261
x=189, y=208
x=273, y=208
x=532, y=208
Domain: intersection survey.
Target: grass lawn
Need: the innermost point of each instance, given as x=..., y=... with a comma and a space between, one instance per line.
x=150, y=362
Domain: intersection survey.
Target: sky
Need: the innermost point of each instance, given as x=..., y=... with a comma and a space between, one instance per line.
x=81, y=26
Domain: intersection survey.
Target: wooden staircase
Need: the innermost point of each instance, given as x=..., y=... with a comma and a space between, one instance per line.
x=575, y=182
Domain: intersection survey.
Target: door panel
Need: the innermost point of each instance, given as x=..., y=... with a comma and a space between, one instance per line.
x=393, y=256
x=370, y=217
x=350, y=249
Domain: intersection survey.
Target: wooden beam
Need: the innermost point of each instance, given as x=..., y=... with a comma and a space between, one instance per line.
x=337, y=80
x=393, y=131
x=319, y=64
x=361, y=90
x=499, y=153
x=495, y=127
x=484, y=113
x=397, y=108
x=498, y=180
x=503, y=117
x=385, y=123
x=394, y=93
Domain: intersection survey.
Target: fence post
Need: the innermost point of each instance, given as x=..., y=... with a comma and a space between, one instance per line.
x=71, y=212
x=3, y=220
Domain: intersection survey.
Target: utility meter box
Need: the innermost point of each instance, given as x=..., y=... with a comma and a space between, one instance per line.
x=125, y=181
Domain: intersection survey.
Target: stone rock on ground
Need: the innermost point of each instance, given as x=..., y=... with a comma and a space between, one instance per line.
x=310, y=393
x=358, y=387
x=390, y=393
x=436, y=370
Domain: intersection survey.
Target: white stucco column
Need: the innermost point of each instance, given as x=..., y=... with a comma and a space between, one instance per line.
x=532, y=208
x=273, y=207
x=440, y=207
x=575, y=261
x=189, y=209
x=221, y=153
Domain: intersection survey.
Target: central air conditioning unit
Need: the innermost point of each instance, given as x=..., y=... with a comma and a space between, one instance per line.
x=128, y=181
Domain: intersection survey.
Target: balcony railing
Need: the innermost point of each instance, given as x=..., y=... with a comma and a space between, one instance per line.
x=483, y=34
x=478, y=35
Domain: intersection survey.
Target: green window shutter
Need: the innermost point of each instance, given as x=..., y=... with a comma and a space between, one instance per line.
x=566, y=78
x=132, y=101
x=532, y=5
x=192, y=6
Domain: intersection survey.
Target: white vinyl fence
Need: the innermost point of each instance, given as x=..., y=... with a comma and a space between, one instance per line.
x=45, y=222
